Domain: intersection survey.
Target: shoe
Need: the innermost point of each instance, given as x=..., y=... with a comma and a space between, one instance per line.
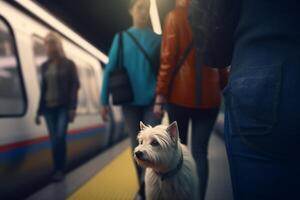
x=58, y=176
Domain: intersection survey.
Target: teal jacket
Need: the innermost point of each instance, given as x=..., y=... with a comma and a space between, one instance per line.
x=141, y=74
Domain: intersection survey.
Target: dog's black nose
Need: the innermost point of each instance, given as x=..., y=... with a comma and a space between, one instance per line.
x=139, y=154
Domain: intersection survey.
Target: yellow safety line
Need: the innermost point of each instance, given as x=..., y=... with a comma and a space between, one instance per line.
x=117, y=180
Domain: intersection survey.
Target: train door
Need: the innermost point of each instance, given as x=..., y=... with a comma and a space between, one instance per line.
x=12, y=92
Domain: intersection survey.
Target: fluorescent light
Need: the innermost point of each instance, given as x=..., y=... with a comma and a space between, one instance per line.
x=155, y=17
x=41, y=13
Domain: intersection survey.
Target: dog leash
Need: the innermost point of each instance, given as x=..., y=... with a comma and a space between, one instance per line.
x=172, y=172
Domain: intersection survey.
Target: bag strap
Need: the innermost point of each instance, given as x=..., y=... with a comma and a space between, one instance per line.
x=141, y=48
x=178, y=65
x=120, y=51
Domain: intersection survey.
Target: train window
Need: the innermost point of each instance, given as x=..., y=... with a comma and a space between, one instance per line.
x=40, y=55
x=93, y=88
x=82, y=94
x=12, y=96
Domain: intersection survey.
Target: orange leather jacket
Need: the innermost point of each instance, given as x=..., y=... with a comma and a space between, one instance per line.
x=176, y=37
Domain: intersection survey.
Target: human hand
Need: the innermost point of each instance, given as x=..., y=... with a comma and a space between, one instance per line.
x=104, y=113
x=72, y=114
x=158, y=109
x=37, y=120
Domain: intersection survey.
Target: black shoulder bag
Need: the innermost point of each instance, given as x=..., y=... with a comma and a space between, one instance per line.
x=119, y=83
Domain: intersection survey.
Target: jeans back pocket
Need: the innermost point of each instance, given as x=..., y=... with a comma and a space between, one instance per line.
x=252, y=98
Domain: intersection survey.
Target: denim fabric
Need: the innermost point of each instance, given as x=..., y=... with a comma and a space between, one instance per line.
x=256, y=175
x=203, y=121
x=262, y=130
x=132, y=116
x=259, y=86
x=57, y=123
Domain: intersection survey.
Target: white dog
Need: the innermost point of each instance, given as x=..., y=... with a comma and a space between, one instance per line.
x=170, y=168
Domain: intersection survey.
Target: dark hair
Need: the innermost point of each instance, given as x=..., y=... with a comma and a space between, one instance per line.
x=133, y=2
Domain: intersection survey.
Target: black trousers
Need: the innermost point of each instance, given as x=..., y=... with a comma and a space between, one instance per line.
x=203, y=121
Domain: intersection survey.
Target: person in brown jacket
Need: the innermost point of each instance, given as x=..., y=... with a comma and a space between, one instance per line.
x=182, y=92
x=58, y=100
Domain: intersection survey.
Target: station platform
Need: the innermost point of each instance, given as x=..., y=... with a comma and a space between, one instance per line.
x=111, y=175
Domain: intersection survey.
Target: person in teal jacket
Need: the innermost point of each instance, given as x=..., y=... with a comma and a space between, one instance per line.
x=141, y=73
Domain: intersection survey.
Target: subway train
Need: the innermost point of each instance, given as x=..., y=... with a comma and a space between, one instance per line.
x=25, y=151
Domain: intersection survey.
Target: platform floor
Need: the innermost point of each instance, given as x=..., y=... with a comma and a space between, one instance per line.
x=117, y=180
x=111, y=175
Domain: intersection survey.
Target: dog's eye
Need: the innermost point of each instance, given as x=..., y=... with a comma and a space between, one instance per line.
x=154, y=143
x=141, y=141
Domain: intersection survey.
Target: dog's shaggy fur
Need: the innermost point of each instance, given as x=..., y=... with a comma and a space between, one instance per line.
x=170, y=168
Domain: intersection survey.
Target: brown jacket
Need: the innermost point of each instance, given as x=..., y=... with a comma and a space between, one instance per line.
x=68, y=82
x=176, y=38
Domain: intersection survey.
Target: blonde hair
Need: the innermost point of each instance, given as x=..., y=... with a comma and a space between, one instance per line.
x=56, y=38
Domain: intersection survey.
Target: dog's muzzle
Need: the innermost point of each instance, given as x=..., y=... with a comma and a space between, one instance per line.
x=140, y=155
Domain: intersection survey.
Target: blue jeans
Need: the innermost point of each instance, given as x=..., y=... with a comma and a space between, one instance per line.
x=203, y=121
x=57, y=122
x=132, y=116
x=262, y=130
x=256, y=175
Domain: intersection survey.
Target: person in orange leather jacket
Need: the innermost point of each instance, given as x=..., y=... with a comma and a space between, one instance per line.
x=181, y=93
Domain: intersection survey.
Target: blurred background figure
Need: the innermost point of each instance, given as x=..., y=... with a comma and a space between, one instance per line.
x=262, y=97
x=141, y=71
x=58, y=99
x=191, y=93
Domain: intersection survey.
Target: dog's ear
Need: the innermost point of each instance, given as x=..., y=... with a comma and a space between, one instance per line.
x=142, y=126
x=172, y=130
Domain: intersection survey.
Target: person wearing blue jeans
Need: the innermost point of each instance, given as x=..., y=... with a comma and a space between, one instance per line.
x=58, y=100
x=262, y=96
